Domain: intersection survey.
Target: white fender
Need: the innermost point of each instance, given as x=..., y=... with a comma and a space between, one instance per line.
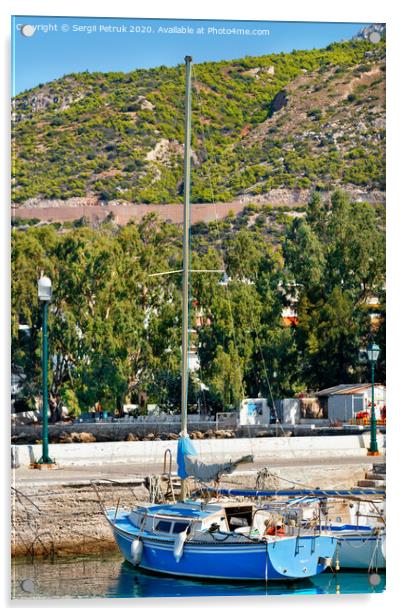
x=136, y=550
x=383, y=547
x=179, y=545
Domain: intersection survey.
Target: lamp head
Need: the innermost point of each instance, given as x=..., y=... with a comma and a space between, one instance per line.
x=373, y=351
x=44, y=289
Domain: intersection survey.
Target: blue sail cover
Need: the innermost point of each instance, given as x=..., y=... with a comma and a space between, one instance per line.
x=185, y=447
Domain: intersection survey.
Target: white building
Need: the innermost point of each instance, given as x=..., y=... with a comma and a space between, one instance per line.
x=254, y=412
x=342, y=402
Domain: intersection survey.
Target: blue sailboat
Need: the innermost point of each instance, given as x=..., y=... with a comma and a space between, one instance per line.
x=211, y=541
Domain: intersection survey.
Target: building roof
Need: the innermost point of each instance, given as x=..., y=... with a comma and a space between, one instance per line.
x=351, y=388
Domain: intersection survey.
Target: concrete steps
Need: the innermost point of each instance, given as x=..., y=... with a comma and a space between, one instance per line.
x=375, y=476
x=371, y=483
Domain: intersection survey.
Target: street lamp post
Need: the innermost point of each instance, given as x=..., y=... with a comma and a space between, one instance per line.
x=373, y=351
x=45, y=295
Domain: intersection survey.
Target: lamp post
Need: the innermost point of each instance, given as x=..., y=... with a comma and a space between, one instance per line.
x=45, y=295
x=373, y=351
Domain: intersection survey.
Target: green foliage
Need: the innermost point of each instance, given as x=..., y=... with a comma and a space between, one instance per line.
x=70, y=400
x=115, y=333
x=96, y=133
x=336, y=257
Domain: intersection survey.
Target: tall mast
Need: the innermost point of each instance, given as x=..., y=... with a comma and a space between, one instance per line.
x=186, y=249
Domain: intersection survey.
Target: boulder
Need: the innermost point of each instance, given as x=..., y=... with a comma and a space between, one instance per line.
x=229, y=434
x=83, y=437
x=131, y=437
x=279, y=101
x=196, y=434
x=149, y=437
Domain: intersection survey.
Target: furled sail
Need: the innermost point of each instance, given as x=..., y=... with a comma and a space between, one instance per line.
x=189, y=465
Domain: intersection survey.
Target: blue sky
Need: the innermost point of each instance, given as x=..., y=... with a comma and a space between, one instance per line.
x=62, y=45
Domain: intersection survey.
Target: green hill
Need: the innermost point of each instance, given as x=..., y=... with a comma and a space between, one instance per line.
x=299, y=120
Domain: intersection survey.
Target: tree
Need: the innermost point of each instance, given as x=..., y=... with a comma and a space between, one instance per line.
x=336, y=259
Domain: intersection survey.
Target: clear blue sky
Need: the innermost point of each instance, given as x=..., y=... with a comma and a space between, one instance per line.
x=59, y=47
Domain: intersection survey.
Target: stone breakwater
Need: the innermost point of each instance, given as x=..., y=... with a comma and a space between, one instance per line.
x=154, y=431
x=112, y=432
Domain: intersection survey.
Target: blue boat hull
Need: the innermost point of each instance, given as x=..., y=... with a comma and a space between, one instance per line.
x=284, y=559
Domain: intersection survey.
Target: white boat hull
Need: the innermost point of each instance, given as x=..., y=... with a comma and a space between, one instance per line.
x=361, y=552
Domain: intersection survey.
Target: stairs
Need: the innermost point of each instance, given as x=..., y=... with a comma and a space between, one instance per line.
x=376, y=478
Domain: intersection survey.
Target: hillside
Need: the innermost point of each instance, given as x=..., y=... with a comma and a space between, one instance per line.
x=308, y=119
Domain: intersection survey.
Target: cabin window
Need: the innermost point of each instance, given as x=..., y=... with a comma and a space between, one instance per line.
x=163, y=526
x=179, y=527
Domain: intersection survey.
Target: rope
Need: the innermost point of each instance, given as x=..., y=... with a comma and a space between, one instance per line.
x=154, y=488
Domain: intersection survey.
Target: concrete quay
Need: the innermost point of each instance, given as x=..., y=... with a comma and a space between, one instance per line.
x=210, y=450
x=56, y=512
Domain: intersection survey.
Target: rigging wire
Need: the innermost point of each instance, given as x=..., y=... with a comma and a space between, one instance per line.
x=265, y=371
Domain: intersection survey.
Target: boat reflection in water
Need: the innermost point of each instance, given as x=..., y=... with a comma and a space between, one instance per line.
x=132, y=582
x=109, y=577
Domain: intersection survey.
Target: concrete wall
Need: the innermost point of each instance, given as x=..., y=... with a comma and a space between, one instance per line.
x=211, y=450
x=290, y=411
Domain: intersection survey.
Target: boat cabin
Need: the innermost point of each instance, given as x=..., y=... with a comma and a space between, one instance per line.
x=173, y=519
x=168, y=521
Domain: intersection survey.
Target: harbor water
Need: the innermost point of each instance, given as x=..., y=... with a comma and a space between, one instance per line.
x=110, y=577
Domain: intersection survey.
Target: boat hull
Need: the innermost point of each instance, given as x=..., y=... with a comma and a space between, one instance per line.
x=283, y=559
x=361, y=552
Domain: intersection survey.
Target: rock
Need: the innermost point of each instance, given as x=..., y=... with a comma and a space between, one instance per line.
x=144, y=103
x=279, y=101
x=77, y=437
x=131, y=437
x=252, y=72
x=84, y=437
x=196, y=434
x=229, y=434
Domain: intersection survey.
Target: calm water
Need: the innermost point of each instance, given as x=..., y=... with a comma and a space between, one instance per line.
x=87, y=577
